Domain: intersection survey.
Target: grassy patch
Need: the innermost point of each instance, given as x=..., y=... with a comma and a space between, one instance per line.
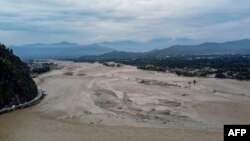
x=68, y=73
x=81, y=74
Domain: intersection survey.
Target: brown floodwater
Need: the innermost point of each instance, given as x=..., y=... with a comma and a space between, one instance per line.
x=30, y=125
x=66, y=113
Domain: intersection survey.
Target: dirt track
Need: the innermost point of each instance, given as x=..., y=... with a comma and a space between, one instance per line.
x=108, y=103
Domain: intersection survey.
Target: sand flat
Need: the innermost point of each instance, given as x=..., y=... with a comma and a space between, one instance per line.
x=110, y=103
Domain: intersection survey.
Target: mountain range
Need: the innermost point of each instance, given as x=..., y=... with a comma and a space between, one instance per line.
x=64, y=50
x=73, y=50
x=232, y=47
x=144, y=46
x=159, y=48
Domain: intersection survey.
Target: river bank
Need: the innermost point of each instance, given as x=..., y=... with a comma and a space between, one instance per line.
x=36, y=100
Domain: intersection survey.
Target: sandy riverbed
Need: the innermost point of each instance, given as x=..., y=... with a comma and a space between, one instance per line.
x=108, y=103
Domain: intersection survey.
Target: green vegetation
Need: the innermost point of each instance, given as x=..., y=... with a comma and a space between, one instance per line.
x=68, y=73
x=42, y=66
x=220, y=60
x=16, y=85
x=111, y=64
x=81, y=74
x=220, y=66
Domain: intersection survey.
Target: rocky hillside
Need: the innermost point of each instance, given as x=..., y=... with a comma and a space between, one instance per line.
x=16, y=85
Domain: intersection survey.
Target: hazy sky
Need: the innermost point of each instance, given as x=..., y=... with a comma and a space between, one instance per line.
x=86, y=21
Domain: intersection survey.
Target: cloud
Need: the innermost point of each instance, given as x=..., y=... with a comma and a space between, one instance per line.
x=85, y=21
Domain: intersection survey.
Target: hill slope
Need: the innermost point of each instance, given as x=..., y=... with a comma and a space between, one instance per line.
x=16, y=85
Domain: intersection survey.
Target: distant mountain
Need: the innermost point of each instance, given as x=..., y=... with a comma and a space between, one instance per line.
x=157, y=43
x=113, y=55
x=58, y=50
x=16, y=85
x=232, y=47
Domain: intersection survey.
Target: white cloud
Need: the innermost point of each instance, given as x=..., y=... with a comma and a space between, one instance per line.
x=96, y=20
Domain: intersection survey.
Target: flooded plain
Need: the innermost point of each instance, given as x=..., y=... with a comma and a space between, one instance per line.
x=92, y=102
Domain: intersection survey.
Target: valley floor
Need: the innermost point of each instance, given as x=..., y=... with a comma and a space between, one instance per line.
x=94, y=102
